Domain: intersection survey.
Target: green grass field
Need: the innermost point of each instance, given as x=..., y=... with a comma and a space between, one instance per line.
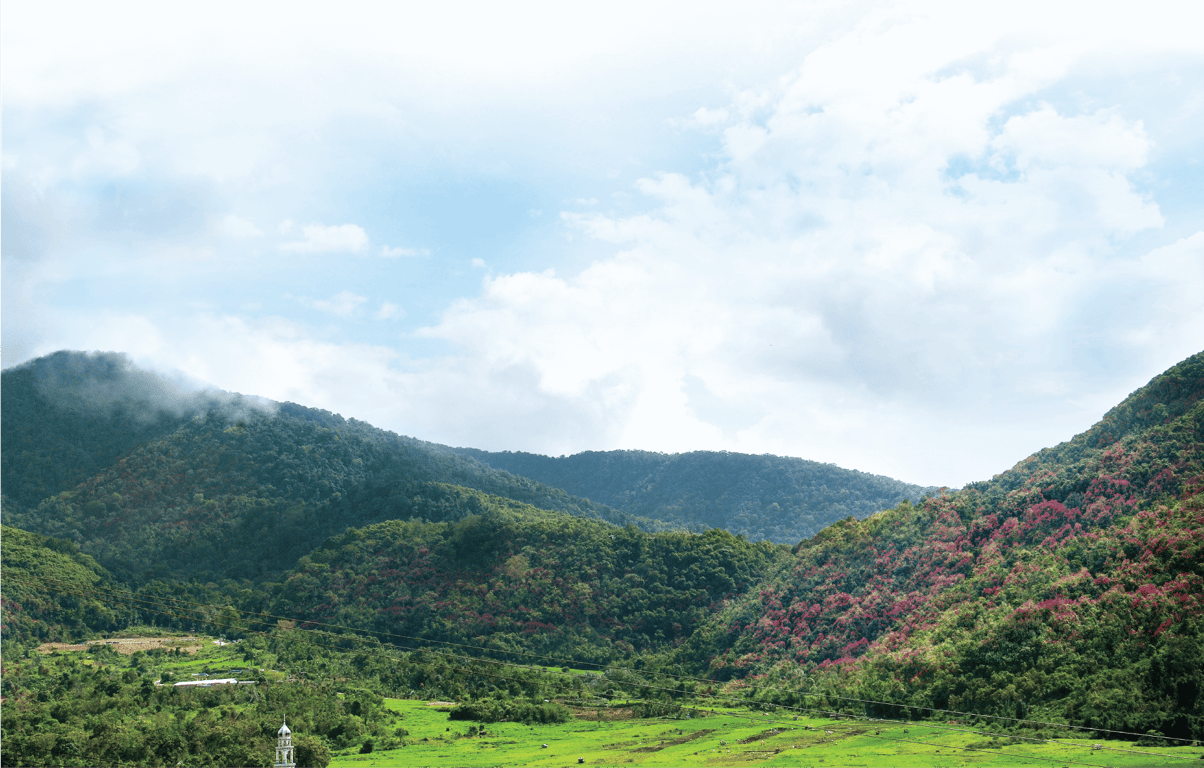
x=732, y=738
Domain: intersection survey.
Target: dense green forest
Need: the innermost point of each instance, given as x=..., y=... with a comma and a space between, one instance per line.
x=518, y=580
x=101, y=707
x=1068, y=589
x=778, y=498
x=33, y=612
x=106, y=708
x=155, y=482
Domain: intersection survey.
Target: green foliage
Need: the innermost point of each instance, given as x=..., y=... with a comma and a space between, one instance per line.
x=1070, y=588
x=311, y=752
x=518, y=580
x=513, y=711
x=64, y=710
x=32, y=612
x=161, y=485
x=68, y=416
x=777, y=498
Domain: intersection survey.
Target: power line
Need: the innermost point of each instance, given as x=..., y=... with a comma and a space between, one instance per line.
x=578, y=663
x=128, y=599
x=124, y=598
x=645, y=686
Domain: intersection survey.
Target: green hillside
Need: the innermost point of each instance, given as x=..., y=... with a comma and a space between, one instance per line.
x=519, y=580
x=68, y=416
x=158, y=483
x=33, y=612
x=777, y=498
x=1067, y=590
x=1070, y=588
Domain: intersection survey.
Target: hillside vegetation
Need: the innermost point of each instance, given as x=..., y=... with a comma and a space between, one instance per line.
x=31, y=611
x=1069, y=588
x=155, y=482
x=519, y=580
x=777, y=498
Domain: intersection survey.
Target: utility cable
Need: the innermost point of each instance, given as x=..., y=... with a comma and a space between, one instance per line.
x=127, y=599
x=603, y=667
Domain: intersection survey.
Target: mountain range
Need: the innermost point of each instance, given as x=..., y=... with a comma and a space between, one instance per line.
x=1069, y=588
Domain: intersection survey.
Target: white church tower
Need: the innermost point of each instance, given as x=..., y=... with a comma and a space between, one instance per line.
x=284, y=748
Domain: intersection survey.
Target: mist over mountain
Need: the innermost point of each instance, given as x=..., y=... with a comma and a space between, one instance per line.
x=71, y=414
x=124, y=462
x=1069, y=588
x=152, y=479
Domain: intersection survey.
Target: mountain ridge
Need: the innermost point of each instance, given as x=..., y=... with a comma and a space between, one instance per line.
x=780, y=498
x=1067, y=589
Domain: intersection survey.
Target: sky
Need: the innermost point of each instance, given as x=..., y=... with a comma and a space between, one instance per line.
x=919, y=239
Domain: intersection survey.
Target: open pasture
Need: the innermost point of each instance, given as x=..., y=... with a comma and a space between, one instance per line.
x=734, y=738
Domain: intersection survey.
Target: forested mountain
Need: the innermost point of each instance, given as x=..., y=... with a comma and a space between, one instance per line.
x=67, y=416
x=777, y=498
x=157, y=482
x=1070, y=587
x=33, y=612
x=520, y=580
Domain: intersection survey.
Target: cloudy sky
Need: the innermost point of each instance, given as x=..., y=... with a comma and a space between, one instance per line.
x=921, y=239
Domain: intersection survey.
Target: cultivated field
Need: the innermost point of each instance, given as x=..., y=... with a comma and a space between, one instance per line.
x=734, y=738
x=129, y=645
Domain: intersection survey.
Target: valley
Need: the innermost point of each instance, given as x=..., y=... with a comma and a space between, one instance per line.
x=601, y=603
x=419, y=732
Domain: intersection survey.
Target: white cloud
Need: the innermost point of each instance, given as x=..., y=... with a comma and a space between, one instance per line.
x=236, y=227
x=834, y=277
x=342, y=304
x=393, y=253
x=930, y=248
x=710, y=117
x=329, y=239
x=388, y=311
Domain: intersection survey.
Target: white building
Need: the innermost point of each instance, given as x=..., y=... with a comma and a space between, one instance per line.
x=284, y=748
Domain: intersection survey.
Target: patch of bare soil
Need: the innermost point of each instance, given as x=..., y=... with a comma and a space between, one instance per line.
x=128, y=645
x=761, y=735
x=679, y=740
x=606, y=714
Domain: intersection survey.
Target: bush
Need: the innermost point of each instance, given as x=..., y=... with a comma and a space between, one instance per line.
x=656, y=708
x=510, y=710
x=311, y=752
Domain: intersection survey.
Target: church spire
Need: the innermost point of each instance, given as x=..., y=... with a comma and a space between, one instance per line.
x=284, y=747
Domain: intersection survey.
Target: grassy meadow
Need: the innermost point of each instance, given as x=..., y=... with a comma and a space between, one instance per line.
x=711, y=736
x=730, y=738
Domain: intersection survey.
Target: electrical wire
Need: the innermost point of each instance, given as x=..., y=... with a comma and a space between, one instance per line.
x=308, y=624
x=155, y=606
x=601, y=667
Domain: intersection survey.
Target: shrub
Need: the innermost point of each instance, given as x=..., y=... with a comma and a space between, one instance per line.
x=511, y=710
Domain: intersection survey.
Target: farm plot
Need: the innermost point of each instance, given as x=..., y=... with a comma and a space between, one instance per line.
x=731, y=738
